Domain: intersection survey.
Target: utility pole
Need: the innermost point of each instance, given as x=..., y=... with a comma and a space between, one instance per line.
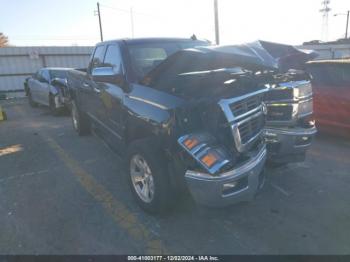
x=132, y=22
x=347, y=25
x=347, y=22
x=216, y=18
x=325, y=11
x=99, y=20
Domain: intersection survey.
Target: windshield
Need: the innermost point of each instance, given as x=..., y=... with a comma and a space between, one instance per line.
x=58, y=74
x=146, y=56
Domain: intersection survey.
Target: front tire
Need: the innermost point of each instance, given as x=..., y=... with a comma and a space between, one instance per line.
x=80, y=121
x=148, y=178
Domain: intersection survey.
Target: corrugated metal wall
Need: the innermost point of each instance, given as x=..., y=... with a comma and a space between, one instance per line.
x=17, y=63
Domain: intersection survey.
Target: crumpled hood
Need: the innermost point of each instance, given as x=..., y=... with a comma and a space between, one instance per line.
x=193, y=73
x=286, y=56
x=261, y=55
x=255, y=56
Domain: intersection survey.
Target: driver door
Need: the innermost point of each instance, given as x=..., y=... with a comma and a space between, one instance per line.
x=91, y=101
x=112, y=96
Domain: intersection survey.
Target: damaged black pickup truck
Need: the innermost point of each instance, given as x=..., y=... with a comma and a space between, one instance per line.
x=193, y=117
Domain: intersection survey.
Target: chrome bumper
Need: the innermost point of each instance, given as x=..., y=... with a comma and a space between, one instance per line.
x=288, y=145
x=236, y=185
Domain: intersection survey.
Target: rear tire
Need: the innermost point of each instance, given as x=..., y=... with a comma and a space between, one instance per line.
x=80, y=121
x=155, y=178
x=30, y=100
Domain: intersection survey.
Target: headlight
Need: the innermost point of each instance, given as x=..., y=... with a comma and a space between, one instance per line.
x=204, y=149
x=302, y=89
x=305, y=108
x=290, y=100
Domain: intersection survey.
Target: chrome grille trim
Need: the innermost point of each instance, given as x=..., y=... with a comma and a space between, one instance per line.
x=257, y=109
x=241, y=146
x=236, y=121
x=225, y=103
x=295, y=101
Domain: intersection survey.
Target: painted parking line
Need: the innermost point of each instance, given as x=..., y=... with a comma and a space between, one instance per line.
x=118, y=211
x=16, y=177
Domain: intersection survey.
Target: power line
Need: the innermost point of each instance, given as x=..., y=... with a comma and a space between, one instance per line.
x=129, y=11
x=115, y=8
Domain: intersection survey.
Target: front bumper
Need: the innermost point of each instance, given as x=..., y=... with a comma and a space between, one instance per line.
x=220, y=190
x=288, y=145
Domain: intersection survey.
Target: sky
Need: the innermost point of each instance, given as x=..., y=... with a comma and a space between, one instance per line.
x=73, y=22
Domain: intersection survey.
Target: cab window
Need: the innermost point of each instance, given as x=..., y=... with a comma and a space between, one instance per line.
x=97, y=59
x=113, y=58
x=45, y=76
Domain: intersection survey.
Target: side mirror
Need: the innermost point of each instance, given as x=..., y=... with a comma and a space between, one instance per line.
x=59, y=82
x=108, y=75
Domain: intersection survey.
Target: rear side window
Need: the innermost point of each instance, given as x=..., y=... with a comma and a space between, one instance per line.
x=97, y=59
x=113, y=57
x=58, y=74
x=43, y=76
x=345, y=74
x=37, y=75
x=331, y=75
x=46, y=75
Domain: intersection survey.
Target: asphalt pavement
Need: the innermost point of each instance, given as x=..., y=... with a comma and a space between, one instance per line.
x=64, y=194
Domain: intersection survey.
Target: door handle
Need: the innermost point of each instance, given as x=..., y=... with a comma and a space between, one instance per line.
x=85, y=84
x=97, y=90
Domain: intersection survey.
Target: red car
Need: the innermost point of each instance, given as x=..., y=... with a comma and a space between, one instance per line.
x=331, y=87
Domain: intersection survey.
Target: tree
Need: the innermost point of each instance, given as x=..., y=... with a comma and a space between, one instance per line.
x=3, y=40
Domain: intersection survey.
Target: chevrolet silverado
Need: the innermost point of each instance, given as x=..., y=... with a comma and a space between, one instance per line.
x=188, y=116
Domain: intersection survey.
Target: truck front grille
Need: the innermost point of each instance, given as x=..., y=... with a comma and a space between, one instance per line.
x=279, y=112
x=251, y=128
x=288, y=102
x=246, y=118
x=245, y=106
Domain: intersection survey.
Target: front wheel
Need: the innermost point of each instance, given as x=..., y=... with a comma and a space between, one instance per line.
x=148, y=178
x=80, y=121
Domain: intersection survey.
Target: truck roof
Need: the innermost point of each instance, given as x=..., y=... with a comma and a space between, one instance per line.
x=152, y=40
x=57, y=68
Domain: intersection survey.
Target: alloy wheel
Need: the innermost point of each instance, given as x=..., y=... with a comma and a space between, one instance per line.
x=142, y=178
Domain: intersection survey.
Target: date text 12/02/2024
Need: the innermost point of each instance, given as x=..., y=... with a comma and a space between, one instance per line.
x=173, y=258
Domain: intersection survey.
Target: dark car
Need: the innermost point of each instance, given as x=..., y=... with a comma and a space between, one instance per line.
x=185, y=119
x=48, y=86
